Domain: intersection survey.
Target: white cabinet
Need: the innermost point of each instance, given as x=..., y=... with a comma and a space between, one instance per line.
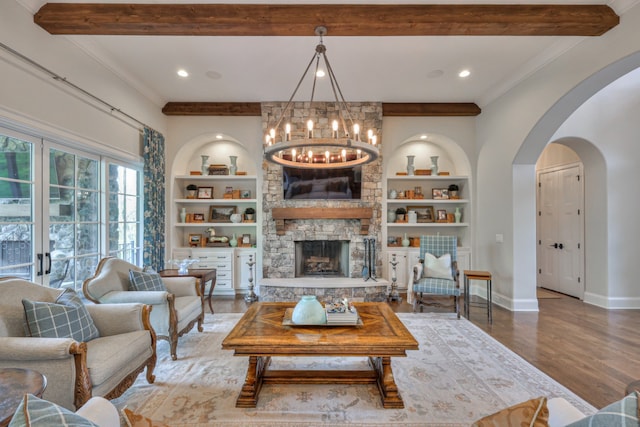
x=242, y=270
x=222, y=261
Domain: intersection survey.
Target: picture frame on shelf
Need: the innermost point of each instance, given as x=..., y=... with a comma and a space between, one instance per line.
x=205, y=193
x=440, y=193
x=221, y=213
x=246, y=240
x=245, y=194
x=441, y=215
x=198, y=217
x=195, y=240
x=424, y=214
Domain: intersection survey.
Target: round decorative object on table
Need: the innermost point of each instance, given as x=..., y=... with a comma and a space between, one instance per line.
x=14, y=383
x=309, y=311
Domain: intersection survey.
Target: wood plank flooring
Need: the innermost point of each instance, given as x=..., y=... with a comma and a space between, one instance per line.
x=592, y=351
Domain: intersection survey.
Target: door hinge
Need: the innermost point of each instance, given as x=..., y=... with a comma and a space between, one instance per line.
x=578, y=280
x=578, y=245
x=578, y=211
x=578, y=176
x=539, y=271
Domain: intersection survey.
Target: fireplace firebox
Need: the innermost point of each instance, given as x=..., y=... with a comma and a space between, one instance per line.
x=322, y=258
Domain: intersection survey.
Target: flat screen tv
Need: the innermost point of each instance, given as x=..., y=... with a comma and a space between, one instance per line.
x=323, y=184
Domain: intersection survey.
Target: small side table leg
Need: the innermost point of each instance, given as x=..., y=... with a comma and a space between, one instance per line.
x=210, y=295
x=490, y=301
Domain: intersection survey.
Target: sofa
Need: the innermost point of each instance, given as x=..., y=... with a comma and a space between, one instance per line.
x=76, y=370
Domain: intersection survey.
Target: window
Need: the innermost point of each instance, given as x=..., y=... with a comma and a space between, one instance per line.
x=124, y=212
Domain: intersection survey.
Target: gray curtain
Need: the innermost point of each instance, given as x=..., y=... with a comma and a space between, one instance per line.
x=154, y=199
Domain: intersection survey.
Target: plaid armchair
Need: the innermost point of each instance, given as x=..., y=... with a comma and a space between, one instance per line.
x=423, y=284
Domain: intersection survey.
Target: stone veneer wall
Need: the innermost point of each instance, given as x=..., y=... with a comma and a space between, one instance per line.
x=278, y=251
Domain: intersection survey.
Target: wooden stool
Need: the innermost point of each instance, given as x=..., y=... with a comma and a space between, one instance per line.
x=477, y=275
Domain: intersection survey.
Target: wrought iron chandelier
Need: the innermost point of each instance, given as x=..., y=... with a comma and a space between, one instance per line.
x=308, y=148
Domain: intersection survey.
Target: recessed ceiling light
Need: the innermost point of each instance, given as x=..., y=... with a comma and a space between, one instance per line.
x=219, y=136
x=423, y=136
x=183, y=73
x=464, y=73
x=214, y=75
x=320, y=73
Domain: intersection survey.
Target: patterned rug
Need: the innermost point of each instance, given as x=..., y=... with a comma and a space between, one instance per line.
x=459, y=375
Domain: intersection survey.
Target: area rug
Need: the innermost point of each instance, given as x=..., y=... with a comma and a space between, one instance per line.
x=459, y=375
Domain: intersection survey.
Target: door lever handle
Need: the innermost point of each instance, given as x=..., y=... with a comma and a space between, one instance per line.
x=39, y=265
x=555, y=245
x=560, y=246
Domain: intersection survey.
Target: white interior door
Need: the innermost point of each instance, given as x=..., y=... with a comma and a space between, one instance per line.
x=560, y=230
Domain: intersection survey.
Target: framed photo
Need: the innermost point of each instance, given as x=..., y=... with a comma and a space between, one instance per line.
x=195, y=240
x=221, y=213
x=440, y=193
x=198, y=217
x=245, y=194
x=246, y=239
x=228, y=190
x=442, y=215
x=424, y=213
x=205, y=193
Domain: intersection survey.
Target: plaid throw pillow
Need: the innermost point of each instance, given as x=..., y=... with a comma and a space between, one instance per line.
x=625, y=412
x=67, y=317
x=34, y=412
x=141, y=281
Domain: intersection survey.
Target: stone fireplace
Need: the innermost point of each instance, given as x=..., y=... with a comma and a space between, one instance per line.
x=279, y=249
x=322, y=258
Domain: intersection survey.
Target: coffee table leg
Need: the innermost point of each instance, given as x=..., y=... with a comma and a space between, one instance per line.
x=386, y=383
x=253, y=382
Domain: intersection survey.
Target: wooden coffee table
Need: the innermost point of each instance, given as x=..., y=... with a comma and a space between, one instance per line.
x=261, y=335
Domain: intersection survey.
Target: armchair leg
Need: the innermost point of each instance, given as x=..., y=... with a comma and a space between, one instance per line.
x=456, y=301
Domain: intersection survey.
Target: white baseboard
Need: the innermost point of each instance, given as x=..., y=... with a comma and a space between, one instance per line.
x=612, y=303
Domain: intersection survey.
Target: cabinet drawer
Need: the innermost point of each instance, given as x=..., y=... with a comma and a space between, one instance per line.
x=223, y=284
x=219, y=266
x=209, y=258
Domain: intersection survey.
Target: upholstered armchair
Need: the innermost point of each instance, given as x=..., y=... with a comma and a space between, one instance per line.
x=75, y=371
x=175, y=310
x=437, y=272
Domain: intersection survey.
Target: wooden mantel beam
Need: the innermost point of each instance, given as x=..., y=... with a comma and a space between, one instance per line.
x=340, y=19
x=280, y=215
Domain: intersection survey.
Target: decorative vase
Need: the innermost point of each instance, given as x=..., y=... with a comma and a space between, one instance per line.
x=236, y=218
x=309, y=311
x=405, y=240
x=391, y=215
x=205, y=168
x=412, y=217
x=233, y=242
x=434, y=165
x=410, y=168
x=234, y=167
x=458, y=214
x=183, y=215
x=393, y=194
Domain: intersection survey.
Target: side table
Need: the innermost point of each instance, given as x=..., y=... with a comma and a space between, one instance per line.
x=14, y=384
x=202, y=275
x=633, y=386
x=478, y=275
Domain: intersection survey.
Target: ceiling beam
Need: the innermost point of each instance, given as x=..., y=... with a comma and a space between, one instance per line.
x=426, y=109
x=340, y=19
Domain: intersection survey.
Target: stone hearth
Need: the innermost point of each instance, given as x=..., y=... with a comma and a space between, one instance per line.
x=325, y=289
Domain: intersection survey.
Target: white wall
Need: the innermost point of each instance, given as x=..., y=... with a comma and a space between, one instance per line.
x=513, y=131
x=29, y=97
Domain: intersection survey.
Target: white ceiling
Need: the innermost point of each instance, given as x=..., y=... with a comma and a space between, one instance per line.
x=388, y=69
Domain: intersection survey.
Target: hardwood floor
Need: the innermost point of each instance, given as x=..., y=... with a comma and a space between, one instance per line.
x=592, y=351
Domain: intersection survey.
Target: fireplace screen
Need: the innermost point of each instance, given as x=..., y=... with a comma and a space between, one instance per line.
x=323, y=258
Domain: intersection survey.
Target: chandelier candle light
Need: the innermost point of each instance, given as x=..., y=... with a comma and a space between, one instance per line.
x=344, y=147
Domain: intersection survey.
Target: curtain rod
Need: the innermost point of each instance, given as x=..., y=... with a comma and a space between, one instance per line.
x=64, y=80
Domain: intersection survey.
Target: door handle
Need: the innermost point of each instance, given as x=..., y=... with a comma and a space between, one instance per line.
x=560, y=246
x=48, y=255
x=39, y=273
x=555, y=245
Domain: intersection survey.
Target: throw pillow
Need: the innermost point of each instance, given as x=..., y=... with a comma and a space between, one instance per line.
x=141, y=281
x=437, y=268
x=533, y=413
x=34, y=412
x=137, y=420
x=623, y=412
x=67, y=317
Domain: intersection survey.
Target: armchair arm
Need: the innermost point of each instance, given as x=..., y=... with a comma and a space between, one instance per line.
x=181, y=286
x=33, y=349
x=140, y=297
x=114, y=319
x=455, y=272
x=417, y=270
